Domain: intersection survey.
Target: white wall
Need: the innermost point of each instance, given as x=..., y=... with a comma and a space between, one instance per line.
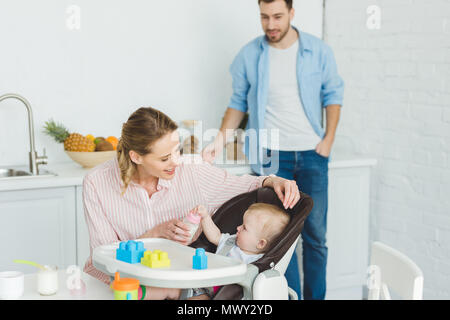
x=173, y=55
x=397, y=109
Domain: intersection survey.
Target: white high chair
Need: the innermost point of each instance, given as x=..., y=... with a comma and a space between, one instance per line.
x=262, y=279
x=265, y=277
x=392, y=269
x=271, y=284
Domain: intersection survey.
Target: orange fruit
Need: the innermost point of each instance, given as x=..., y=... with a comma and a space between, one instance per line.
x=113, y=140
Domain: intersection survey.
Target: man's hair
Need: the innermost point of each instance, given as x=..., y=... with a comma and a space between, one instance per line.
x=288, y=2
x=273, y=218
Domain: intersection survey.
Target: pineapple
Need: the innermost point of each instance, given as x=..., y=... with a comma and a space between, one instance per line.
x=72, y=141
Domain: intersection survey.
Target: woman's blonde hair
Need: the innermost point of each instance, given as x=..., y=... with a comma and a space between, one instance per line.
x=142, y=129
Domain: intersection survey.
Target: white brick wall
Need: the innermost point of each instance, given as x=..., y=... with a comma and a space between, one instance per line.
x=397, y=109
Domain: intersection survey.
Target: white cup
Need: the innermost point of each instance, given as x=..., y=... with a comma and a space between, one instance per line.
x=11, y=285
x=47, y=280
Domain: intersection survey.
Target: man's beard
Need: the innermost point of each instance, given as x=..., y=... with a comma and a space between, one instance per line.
x=282, y=35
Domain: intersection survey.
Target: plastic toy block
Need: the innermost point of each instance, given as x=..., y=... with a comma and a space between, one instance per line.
x=155, y=259
x=130, y=251
x=200, y=260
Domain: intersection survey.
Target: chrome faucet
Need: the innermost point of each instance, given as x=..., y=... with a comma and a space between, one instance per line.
x=35, y=160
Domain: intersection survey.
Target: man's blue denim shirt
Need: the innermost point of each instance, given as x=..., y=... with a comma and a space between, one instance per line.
x=319, y=85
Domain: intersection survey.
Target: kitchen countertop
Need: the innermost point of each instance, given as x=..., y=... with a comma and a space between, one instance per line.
x=71, y=174
x=68, y=174
x=95, y=289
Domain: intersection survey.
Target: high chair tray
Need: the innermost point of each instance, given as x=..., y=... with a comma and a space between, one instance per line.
x=221, y=270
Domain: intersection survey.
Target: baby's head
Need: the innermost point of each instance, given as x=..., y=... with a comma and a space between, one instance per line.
x=262, y=223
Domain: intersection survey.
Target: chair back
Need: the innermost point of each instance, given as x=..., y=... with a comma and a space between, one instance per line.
x=394, y=270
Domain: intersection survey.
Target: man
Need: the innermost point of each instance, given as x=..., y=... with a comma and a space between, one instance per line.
x=283, y=80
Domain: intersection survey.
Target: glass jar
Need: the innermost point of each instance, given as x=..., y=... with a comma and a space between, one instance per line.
x=47, y=280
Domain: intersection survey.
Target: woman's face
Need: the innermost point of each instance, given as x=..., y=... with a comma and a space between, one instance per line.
x=163, y=159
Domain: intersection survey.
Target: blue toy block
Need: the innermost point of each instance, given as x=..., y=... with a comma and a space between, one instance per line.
x=130, y=251
x=200, y=260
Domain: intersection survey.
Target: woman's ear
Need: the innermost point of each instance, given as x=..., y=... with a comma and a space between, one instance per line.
x=262, y=243
x=135, y=157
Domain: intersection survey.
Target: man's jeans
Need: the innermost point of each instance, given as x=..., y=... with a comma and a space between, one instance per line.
x=310, y=171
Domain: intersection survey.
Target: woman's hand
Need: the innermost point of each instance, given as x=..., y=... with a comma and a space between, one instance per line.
x=173, y=229
x=287, y=190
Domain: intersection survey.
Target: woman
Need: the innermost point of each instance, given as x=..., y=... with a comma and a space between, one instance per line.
x=147, y=190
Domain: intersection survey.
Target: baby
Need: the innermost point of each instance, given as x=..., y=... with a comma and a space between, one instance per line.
x=262, y=223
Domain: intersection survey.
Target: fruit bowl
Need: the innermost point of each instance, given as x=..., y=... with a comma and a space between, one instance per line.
x=91, y=159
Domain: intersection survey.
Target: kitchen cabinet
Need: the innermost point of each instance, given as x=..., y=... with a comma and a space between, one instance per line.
x=347, y=230
x=348, y=233
x=37, y=225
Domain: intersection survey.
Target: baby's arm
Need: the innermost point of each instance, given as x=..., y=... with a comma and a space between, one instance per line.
x=210, y=229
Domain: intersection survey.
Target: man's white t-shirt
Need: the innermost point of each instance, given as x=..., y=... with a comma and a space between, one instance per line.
x=284, y=110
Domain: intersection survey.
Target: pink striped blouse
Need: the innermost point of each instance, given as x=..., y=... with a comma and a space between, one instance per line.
x=112, y=217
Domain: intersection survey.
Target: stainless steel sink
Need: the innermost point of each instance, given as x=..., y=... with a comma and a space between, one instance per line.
x=9, y=173
x=15, y=173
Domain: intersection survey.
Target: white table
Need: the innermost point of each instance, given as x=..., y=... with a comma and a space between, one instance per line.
x=95, y=289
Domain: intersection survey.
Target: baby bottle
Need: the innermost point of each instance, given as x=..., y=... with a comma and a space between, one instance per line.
x=193, y=221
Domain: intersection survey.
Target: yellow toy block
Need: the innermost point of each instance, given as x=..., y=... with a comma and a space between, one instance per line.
x=155, y=259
